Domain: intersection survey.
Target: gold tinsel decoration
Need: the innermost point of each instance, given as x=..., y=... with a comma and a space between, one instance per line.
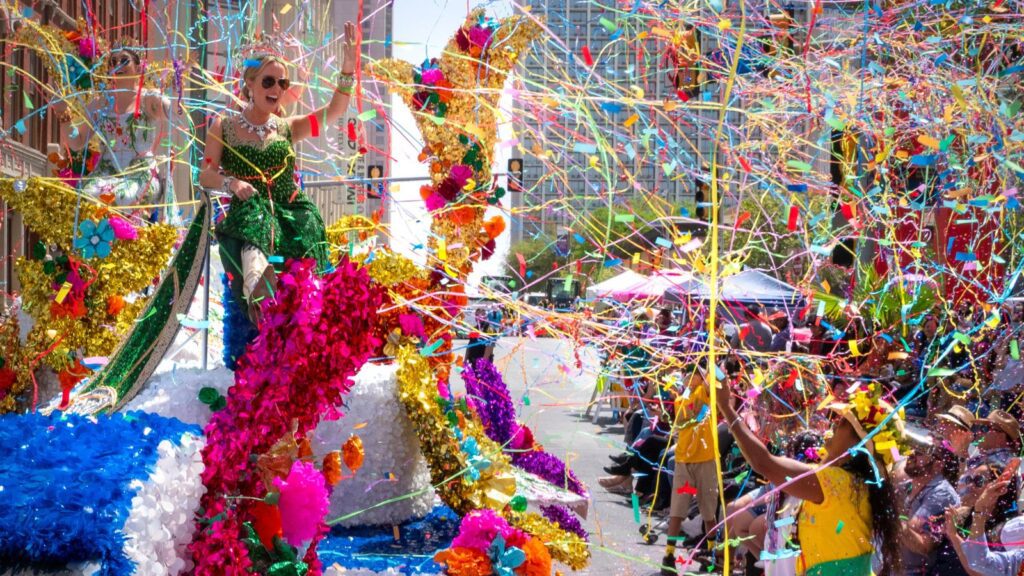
x=417, y=390
x=48, y=209
x=339, y=234
x=14, y=377
x=472, y=83
x=475, y=84
x=389, y=269
x=564, y=546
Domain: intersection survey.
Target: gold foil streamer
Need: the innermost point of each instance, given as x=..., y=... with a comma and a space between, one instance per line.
x=48, y=209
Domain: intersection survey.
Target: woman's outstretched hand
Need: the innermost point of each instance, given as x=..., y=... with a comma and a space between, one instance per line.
x=350, y=53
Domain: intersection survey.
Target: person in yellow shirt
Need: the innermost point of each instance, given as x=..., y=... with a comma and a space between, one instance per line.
x=848, y=502
x=695, y=475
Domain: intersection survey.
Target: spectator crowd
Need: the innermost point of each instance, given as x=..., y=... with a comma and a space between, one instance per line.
x=803, y=448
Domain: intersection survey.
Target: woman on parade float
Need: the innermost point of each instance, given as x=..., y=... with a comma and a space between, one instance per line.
x=250, y=155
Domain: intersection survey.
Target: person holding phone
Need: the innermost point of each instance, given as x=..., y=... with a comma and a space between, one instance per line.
x=982, y=558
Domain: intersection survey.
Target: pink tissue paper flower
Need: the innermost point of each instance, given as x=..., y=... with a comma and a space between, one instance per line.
x=435, y=202
x=479, y=528
x=304, y=503
x=412, y=325
x=461, y=174
x=123, y=229
x=87, y=48
x=432, y=76
x=479, y=36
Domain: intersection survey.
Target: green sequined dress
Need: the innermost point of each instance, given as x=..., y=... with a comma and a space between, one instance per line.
x=279, y=219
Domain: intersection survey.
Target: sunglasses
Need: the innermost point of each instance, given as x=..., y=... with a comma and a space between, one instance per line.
x=268, y=82
x=978, y=480
x=122, y=61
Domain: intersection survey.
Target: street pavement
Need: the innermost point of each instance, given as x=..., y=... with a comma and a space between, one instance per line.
x=551, y=384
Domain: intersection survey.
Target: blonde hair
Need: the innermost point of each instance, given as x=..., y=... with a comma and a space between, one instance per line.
x=252, y=71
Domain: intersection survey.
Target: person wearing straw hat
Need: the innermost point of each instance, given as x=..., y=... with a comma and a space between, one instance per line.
x=952, y=429
x=998, y=438
x=848, y=504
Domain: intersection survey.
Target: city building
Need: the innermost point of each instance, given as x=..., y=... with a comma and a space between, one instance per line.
x=595, y=89
x=592, y=87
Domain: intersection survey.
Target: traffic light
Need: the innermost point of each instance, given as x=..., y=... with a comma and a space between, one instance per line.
x=515, y=174
x=700, y=200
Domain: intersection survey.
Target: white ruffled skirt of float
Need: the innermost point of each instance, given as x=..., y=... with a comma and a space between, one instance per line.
x=393, y=467
x=161, y=522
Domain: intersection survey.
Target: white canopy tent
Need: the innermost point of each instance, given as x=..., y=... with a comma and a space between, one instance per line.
x=615, y=286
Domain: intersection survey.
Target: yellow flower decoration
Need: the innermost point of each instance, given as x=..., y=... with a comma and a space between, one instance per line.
x=867, y=411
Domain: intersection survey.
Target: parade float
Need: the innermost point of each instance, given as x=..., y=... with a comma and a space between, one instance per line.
x=340, y=413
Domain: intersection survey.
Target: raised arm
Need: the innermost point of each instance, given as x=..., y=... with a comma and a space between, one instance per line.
x=159, y=107
x=776, y=469
x=303, y=126
x=957, y=542
x=980, y=556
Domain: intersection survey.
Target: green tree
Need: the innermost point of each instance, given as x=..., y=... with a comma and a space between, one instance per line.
x=762, y=239
x=608, y=234
x=539, y=254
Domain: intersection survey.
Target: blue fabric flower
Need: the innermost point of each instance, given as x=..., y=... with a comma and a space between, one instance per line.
x=95, y=238
x=504, y=561
x=476, y=460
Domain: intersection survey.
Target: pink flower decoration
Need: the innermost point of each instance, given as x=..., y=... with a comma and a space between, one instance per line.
x=432, y=76
x=479, y=528
x=411, y=325
x=479, y=36
x=303, y=503
x=69, y=177
x=523, y=439
x=316, y=329
x=461, y=174
x=87, y=48
x=435, y=202
x=123, y=229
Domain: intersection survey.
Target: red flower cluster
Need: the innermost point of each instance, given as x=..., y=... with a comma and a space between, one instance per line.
x=7, y=379
x=316, y=335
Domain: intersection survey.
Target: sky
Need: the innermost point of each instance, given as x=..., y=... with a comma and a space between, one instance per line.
x=421, y=28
